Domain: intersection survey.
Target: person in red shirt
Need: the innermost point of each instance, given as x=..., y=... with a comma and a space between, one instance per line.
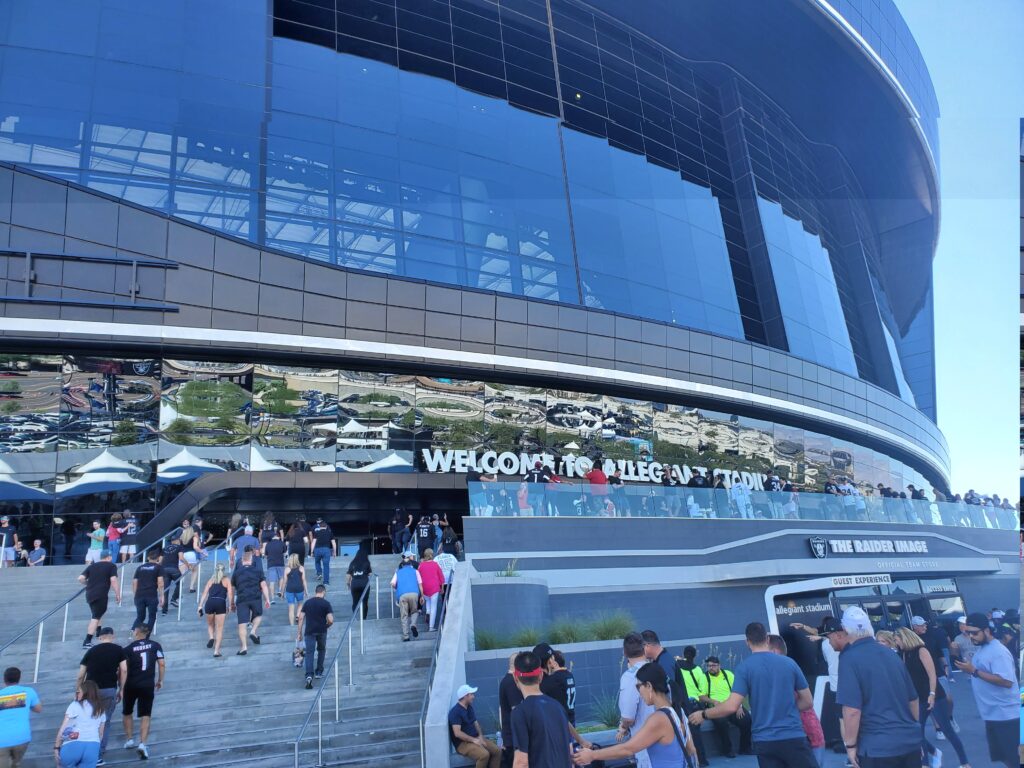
x=808, y=718
x=433, y=580
x=598, y=487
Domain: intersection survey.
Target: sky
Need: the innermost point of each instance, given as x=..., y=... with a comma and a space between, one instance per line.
x=974, y=53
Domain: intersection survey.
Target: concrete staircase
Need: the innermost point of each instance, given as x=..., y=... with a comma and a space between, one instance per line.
x=233, y=710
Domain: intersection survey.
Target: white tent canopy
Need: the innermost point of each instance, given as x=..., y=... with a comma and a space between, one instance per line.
x=100, y=482
x=106, y=462
x=259, y=463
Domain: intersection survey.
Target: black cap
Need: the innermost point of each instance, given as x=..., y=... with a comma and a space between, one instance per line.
x=977, y=619
x=104, y=631
x=830, y=625
x=543, y=652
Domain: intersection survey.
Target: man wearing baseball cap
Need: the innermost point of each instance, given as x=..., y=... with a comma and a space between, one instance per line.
x=466, y=734
x=994, y=684
x=880, y=703
x=961, y=646
x=324, y=548
x=935, y=640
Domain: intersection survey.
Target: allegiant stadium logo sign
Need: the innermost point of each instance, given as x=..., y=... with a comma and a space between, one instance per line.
x=512, y=464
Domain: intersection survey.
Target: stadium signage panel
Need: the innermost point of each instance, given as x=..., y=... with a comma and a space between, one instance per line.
x=877, y=546
x=509, y=464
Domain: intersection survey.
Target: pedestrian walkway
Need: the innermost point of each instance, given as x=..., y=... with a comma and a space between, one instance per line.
x=233, y=710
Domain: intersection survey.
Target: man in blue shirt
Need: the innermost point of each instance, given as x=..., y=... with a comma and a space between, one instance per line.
x=15, y=732
x=879, y=701
x=465, y=732
x=771, y=682
x=994, y=685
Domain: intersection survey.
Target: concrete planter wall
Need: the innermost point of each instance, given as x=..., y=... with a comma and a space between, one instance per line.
x=505, y=605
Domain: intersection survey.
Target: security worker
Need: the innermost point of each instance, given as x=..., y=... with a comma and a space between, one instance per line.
x=695, y=684
x=719, y=686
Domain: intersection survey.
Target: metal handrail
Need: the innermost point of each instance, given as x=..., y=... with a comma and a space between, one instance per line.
x=318, y=699
x=430, y=674
x=41, y=621
x=3, y=546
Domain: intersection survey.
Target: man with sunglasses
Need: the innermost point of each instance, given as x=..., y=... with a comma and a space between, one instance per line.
x=994, y=685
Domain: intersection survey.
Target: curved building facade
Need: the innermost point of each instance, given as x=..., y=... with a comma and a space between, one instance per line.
x=459, y=203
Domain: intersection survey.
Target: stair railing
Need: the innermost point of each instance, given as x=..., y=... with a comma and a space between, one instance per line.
x=430, y=673
x=317, y=705
x=40, y=623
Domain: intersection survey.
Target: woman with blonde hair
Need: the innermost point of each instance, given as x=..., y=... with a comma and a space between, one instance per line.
x=78, y=739
x=930, y=694
x=294, y=585
x=886, y=638
x=214, y=603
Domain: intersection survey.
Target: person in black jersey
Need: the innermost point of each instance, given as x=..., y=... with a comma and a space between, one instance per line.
x=324, y=548
x=424, y=535
x=99, y=578
x=269, y=529
x=559, y=684
x=540, y=730
x=130, y=530
x=358, y=577
x=509, y=697
x=250, y=584
x=170, y=563
x=148, y=589
x=145, y=658
x=315, y=617
x=105, y=665
x=297, y=541
x=273, y=550
x=216, y=597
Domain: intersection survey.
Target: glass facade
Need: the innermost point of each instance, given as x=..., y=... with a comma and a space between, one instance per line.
x=82, y=437
x=528, y=147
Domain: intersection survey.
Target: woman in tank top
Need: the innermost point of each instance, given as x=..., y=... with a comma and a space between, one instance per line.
x=666, y=739
x=215, y=600
x=294, y=586
x=931, y=697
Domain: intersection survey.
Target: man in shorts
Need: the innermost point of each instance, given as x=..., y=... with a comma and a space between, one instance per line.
x=99, y=578
x=96, y=537
x=273, y=550
x=250, y=585
x=8, y=540
x=145, y=658
x=105, y=665
x=16, y=702
x=130, y=524
x=170, y=564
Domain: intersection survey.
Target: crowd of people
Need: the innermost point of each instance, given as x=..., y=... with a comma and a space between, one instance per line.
x=261, y=570
x=542, y=492
x=882, y=690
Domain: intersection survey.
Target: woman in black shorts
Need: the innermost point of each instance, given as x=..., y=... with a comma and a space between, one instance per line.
x=214, y=603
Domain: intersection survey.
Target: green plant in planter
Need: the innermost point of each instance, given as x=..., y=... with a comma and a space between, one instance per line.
x=487, y=641
x=605, y=709
x=510, y=569
x=566, y=630
x=611, y=626
x=525, y=638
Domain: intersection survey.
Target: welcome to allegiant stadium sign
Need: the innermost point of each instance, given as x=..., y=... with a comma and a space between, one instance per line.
x=506, y=463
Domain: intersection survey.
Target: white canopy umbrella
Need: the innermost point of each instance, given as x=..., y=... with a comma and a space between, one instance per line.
x=392, y=463
x=106, y=462
x=12, y=490
x=329, y=426
x=352, y=427
x=183, y=466
x=259, y=463
x=100, y=482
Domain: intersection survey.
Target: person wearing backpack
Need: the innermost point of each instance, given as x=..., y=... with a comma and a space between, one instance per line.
x=718, y=688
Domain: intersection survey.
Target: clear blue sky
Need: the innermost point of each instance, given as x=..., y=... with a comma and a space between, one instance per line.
x=975, y=54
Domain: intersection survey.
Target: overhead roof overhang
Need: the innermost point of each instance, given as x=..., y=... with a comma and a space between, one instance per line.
x=816, y=67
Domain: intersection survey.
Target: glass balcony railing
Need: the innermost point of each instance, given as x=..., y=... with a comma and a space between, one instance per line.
x=521, y=499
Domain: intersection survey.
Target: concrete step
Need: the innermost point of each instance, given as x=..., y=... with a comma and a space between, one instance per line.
x=235, y=710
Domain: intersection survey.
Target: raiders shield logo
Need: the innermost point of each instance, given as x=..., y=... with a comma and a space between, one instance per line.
x=819, y=547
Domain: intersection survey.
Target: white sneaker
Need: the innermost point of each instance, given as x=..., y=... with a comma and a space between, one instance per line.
x=940, y=735
x=936, y=760
x=143, y=751
x=129, y=744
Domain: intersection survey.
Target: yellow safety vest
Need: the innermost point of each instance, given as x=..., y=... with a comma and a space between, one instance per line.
x=695, y=681
x=720, y=685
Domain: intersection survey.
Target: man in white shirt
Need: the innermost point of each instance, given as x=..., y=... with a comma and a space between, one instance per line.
x=739, y=495
x=633, y=712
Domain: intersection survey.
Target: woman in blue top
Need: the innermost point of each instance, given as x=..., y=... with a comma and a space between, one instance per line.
x=665, y=738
